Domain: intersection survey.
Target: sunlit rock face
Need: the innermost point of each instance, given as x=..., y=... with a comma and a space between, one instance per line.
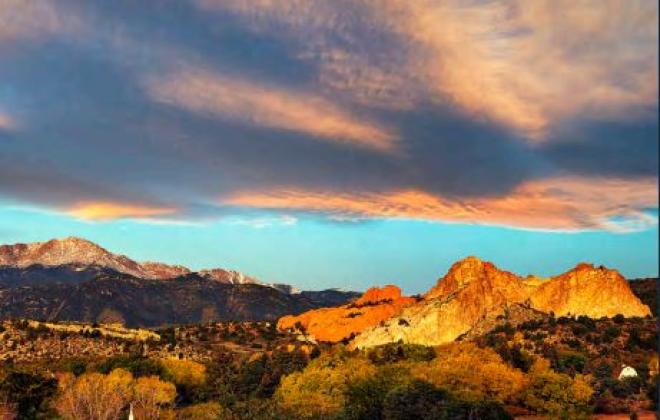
x=340, y=323
x=588, y=290
x=473, y=291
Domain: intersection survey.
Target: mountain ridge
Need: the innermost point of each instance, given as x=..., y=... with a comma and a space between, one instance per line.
x=78, y=251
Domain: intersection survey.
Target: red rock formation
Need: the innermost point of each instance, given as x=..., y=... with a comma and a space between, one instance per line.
x=375, y=295
x=336, y=324
x=474, y=290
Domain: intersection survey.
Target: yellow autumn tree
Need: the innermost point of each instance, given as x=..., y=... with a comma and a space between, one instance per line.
x=185, y=372
x=318, y=391
x=556, y=394
x=151, y=396
x=94, y=396
x=202, y=411
x=471, y=373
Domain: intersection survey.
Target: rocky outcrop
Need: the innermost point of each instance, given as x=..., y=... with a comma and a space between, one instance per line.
x=474, y=291
x=588, y=290
x=336, y=324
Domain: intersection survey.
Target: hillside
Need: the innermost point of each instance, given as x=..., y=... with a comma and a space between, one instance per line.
x=148, y=303
x=77, y=280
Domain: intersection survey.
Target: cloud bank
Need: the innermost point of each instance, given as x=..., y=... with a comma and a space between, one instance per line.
x=526, y=114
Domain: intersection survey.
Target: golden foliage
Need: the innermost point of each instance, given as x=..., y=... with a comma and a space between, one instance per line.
x=319, y=389
x=556, y=394
x=94, y=396
x=185, y=372
x=150, y=395
x=203, y=411
x=471, y=373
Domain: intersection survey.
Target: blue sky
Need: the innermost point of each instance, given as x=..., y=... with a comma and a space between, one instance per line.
x=341, y=143
x=316, y=254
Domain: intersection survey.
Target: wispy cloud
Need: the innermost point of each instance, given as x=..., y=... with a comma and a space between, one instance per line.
x=35, y=18
x=525, y=64
x=262, y=222
x=563, y=203
x=252, y=102
x=104, y=211
x=401, y=109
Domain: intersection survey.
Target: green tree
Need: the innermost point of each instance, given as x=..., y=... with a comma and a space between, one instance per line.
x=29, y=392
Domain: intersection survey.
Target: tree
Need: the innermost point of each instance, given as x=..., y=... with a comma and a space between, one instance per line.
x=27, y=392
x=203, y=411
x=364, y=397
x=94, y=396
x=472, y=373
x=185, y=372
x=556, y=394
x=415, y=399
x=320, y=389
x=151, y=396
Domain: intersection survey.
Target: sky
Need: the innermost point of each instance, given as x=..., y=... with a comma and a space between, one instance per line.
x=335, y=143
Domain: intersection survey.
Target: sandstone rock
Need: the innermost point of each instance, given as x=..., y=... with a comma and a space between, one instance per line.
x=375, y=295
x=587, y=290
x=473, y=292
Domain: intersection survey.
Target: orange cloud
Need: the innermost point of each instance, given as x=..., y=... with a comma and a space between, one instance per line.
x=529, y=64
x=211, y=93
x=524, y=64
x=106, y=210
x=559, y=203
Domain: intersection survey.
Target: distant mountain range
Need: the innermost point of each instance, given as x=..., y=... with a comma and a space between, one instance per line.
x=83, y=253
x=472, y=298
x=75, y=279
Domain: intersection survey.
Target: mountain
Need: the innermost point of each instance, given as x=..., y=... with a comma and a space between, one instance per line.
x=74, y=279
x=79, y=252
x=474, y=293
x=37, y=274
x=72, y=250
x=139, y=302
x=344, y=322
